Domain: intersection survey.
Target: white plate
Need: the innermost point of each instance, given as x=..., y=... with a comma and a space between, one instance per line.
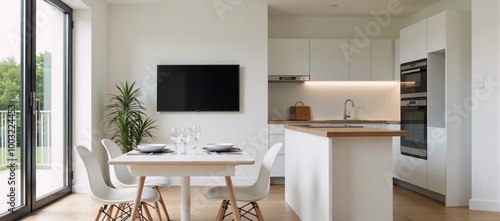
x=151, y=147
x=219, y=146
x=232, y=149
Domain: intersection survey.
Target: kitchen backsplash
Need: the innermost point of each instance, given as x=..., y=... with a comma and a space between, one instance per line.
x=373, y=100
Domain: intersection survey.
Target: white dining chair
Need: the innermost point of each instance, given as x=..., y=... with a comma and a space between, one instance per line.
x=250, y=194
x=108, y=197
x=121, y=178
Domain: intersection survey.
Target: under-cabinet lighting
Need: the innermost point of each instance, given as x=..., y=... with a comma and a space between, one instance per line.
x=351, y=83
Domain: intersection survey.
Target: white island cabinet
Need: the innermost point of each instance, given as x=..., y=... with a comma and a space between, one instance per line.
x=339, y=173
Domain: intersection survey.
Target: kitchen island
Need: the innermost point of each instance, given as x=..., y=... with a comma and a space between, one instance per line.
x=339, y=173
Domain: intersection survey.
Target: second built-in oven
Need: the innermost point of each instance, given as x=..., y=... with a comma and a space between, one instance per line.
x=414, y=120
x=414, y=79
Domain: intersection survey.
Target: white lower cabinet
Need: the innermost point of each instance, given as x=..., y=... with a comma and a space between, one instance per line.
x=276, y=135
x=412, y=170
x=278, y=166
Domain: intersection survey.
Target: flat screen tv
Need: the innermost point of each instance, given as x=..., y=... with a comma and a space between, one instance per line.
x=198, y=88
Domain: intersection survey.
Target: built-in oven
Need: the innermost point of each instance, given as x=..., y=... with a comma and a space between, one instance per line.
x=414, y=79
x=414, y=120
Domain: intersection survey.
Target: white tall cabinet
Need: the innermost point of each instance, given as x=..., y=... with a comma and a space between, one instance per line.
x=447, y=170
x=413, y=42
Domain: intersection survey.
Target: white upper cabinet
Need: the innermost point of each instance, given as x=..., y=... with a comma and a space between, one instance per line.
x=436, y=32
x=360, y=60
x=288, y=57
x=329, y=59
x=382, y=60
x=333, y=59
x=413, y=42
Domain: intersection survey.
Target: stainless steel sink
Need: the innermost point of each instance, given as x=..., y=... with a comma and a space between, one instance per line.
x=334, y=126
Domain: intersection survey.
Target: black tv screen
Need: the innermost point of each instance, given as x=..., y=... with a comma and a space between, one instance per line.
x=198, y=88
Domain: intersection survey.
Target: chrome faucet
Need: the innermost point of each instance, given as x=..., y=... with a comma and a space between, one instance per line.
x=347, y=114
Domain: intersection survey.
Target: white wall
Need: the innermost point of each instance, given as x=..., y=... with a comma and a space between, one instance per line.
x=460, y=5
x=334, y=27
x=89, y=80
x=143, y=36
x=373, y=100
x=485, y=117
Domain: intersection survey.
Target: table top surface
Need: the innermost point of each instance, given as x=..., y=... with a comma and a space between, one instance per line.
x=193, y=157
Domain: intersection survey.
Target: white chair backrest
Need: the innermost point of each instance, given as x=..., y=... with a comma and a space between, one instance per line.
x=261, y=186
x=120, y=175
x=98, y=188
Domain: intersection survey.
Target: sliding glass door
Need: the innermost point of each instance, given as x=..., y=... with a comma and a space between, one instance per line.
x=11, y=163
x=50, y=90
x=35, y=135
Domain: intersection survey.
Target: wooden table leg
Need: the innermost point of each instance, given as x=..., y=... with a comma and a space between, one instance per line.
x=185, y=198
x=138, y=196
x=229, y=184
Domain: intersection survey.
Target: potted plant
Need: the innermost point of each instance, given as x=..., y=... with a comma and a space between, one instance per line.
x=128, y=123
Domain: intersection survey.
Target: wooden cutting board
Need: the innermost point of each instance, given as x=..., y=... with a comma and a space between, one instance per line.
x=301, y=112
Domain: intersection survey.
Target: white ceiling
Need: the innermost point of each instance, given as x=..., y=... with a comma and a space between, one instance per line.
x=311, y=7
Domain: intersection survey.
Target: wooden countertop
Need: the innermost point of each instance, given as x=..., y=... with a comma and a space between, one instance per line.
x=348, y=132
x=333, y=122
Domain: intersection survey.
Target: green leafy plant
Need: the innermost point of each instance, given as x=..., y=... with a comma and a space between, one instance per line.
x=128, y=122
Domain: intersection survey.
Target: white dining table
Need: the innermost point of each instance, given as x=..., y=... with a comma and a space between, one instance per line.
x=192, y=163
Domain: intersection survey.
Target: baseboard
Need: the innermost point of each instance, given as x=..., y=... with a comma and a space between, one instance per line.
x=431, y=194
x=80, y=188
x=278, y=180
x=484, y=205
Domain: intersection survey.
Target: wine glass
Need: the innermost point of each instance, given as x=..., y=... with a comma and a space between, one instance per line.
x=196, y=132
x=175, y=135
x=185, y=137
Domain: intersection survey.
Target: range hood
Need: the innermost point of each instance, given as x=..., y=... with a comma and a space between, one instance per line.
x=288, y=78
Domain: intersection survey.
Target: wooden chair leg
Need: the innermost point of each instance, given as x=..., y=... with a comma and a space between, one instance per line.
x=99, y=213
x=122, y=209
x=256, y=207
x=157, y=209
x=110, y=213
x=146, y=210
x=118, y=210
x=162, y=203
x=222, y=210
x=217, y=218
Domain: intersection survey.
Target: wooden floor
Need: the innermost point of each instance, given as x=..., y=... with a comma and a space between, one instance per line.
x=408, y=206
